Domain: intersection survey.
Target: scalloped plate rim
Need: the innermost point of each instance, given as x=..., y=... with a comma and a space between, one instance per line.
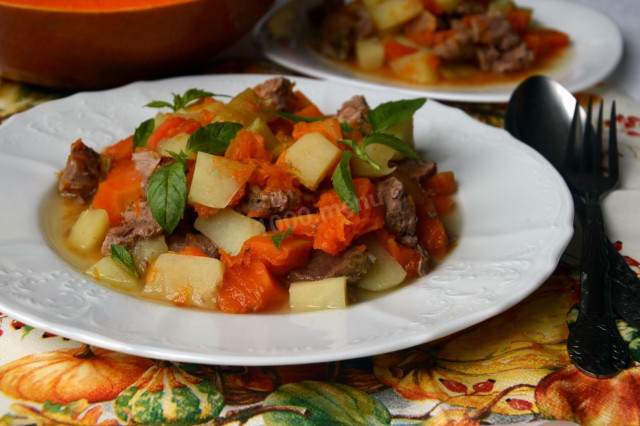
x=467, y=287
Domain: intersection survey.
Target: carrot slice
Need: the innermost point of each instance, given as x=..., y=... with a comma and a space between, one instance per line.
x=405, y=256
x=248, y=286
x=443, y=183
x=329, y=128
x=306, y=224
x=120, y=189
x=171, y=126
x=121, y=150
x=293, y=252
x=394, y=50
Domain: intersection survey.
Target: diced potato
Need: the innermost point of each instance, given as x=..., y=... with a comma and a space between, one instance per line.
x=89, y=230
x=330, y=293
x=385, y=273
x=271, y=143
x=369, y=53
x=312, y=157
x=216, y=180
x=244, y=108
x=380, y=154
x=229, y=229
x=416, y=67
x=175, y=144
x=159, y=119
x=404, y=131
x=391, y=13
x=108, y=271
x=184, y=280
x=146, y=251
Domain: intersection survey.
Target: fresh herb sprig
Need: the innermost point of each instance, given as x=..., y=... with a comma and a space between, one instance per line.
x=184, y=100
x=293, y=117
x=213, y=138
x=123, y=257
x=167, y=194
x=382, y=118
x=142, y=133
x=278, y=238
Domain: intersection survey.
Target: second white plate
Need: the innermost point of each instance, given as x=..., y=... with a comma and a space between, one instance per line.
x=596, y=49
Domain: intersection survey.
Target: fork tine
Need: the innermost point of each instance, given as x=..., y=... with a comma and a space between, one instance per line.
x=613, y=144
x=586, y=165
x=574, y=135
x=596, y=153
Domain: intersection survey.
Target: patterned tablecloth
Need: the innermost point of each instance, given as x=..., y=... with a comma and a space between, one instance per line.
x=512, y=368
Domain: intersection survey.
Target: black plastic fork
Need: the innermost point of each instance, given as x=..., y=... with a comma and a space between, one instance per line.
x=594, y=345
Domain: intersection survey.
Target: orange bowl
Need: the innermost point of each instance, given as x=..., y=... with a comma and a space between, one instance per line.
x=95, y=44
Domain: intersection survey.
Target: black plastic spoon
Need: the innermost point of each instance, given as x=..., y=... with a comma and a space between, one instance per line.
x=539, y=114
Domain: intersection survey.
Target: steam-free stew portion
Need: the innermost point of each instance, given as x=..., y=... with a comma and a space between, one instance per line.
x=253, y=202
x=432, y=42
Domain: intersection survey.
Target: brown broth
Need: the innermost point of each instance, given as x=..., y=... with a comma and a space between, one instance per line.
x=461, y=76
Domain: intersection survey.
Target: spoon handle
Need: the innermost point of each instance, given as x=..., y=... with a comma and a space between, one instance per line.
x=594, y=343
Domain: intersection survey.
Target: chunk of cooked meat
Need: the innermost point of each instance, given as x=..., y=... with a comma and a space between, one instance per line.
x=518, y=58
x=146, y=161
x=355, y=112
x=137, y=224
x=417, y=171
x=279, y=92
x=178, y=242
x=353, y=263
x=400, y=214
x=488, y=38
x=401, y=218
x=267, y=202
x=81, y=176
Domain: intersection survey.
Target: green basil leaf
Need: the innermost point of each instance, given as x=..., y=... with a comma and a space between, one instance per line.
x=182, y=101
x=123, y=258
x=346, y=128
x=214, y=138
x=388, y=114
x=343, y=183
x=167, y=195
x=159, y=104
x=180, y=157
x=142, y=133
x=189, y=96
x=293, y=117
x=278, y=238
x=392, y=142
x=359, y=152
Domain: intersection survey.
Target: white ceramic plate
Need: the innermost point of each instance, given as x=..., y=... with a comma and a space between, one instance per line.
x=515, y=216
x=594, y=53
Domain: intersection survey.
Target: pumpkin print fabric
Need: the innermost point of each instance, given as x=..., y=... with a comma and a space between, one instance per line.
x=512, y=368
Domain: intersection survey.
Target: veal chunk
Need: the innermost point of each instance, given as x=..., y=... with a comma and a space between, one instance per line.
x=278, y=91
x=355, y=112
x=401, y=218
x=81, y=176
x=353, y=263
x=400, y=214
x=137, y=224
